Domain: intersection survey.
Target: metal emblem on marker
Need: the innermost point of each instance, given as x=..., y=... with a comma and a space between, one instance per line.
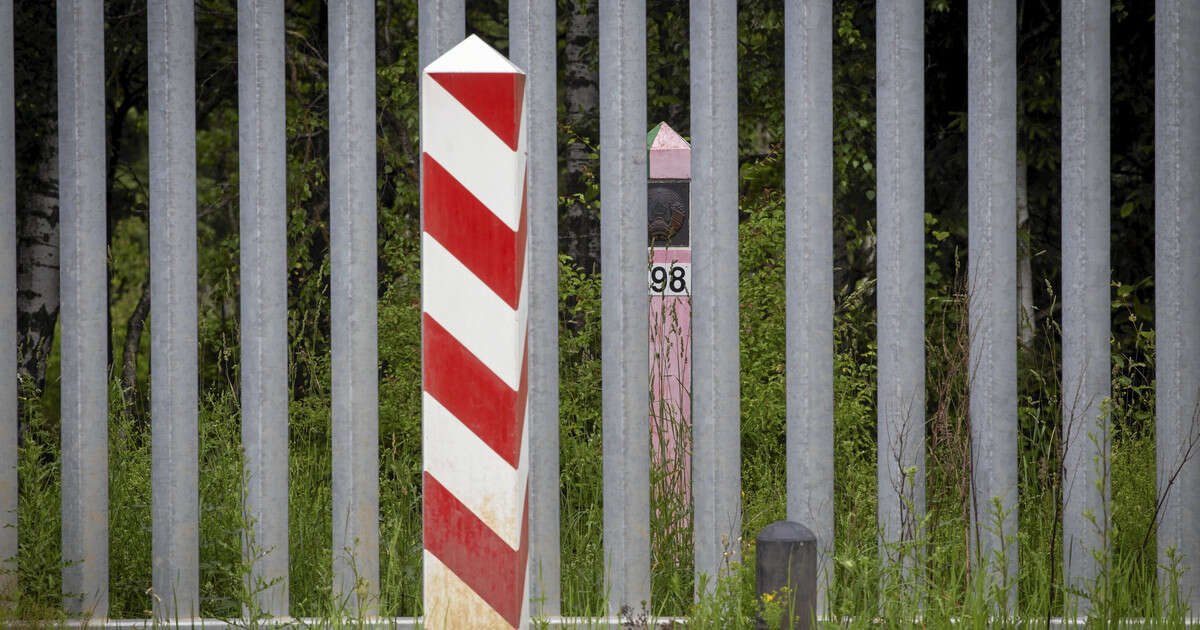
x=668, y=208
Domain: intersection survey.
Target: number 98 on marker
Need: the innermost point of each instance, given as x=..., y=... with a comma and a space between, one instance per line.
x=670, y=278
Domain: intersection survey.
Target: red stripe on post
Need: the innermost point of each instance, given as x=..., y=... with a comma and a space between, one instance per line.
x=469, y=548
x=474, y=394
x=494, y=98
x=472, y=233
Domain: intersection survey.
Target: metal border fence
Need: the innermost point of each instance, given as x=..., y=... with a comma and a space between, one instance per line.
x=809, y=286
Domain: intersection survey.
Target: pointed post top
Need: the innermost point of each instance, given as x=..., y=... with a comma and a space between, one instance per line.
x=662, y=136
x=484, y=82
x=670, y=154
x=472, y=55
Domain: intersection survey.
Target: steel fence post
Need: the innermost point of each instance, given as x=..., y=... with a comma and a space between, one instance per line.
x=1177, y=291
x=532, y=41
x=991, y=284
x=900, y=290
x=174, y=380
x=441, y=24
x=354, y=334
x=1086, y=305
x=84, y=314
x=624, y=303
x=716, y=379
x=264, y=319
x=808, y=147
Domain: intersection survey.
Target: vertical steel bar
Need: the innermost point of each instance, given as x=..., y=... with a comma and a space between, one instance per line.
x=8, y=302
x=716, y=394
x=992, y=282
x=624, y=303
x=441, y=24
x=900, y=201
x=1177, y=291
x=808, y=118
x=263, y=229
x=354, y=335
x=173, y=332
x=84, y=315
x=900, y=100
x=1086, y=371
x=532, y=31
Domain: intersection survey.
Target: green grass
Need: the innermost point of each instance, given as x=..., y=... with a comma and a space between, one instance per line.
x=945, y=584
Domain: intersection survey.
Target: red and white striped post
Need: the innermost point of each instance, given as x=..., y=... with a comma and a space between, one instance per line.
x=476, y=466
x=667, y=208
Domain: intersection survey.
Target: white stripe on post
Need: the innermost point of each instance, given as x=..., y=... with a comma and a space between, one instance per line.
x=992, y=285
x=354, y=333
x=474, y=325
x=8, y=304
x=263, y=230
x=1086, y=305
x=84, y=315
x=473, y=485
x=173, y=329
x=624, y=303
x=808, y=101
x=1177, y=290
x=900, y=204
x=532, y=32
x=465, y=304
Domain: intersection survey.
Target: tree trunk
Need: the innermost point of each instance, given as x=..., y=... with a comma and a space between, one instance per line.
x=579, y=225
x=1025, y=319
x=37, y=267
x=133, y=341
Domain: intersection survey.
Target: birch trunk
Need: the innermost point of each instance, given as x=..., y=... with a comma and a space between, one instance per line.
x=37, y=267
x=1025, y=318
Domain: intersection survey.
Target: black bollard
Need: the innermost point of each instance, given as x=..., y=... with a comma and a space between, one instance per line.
x=785, y=574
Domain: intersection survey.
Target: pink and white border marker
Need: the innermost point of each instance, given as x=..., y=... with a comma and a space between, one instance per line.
x=474, y=364
x=668, y=209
